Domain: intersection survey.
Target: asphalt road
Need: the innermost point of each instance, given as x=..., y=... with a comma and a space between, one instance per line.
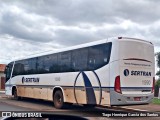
x=9, y=104
x=8, y=107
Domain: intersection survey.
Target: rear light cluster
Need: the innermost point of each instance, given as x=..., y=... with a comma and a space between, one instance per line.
x=153, y=84
x=117, y=85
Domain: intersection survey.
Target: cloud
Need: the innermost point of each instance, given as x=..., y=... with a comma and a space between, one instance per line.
x=20, y=24
x=93, y=11
x=36, y=26
x=14, y=48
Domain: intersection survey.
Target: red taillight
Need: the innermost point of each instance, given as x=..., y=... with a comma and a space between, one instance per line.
x=153, y=84
x=117, y=85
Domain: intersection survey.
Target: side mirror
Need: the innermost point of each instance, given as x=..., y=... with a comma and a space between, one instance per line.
x=5, y=71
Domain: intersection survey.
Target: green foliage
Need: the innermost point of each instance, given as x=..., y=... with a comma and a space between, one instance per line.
x=158, y=83
x=158, y=59
x=156, y=101
x=158, y=73
x=156, y=88
x=158, y=62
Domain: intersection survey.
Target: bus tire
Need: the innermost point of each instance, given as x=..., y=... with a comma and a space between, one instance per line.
x=58, y=99
x=15, y=95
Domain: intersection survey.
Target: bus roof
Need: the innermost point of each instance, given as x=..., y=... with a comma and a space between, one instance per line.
x=111, y=39
x=129, y=38
x=65, y=49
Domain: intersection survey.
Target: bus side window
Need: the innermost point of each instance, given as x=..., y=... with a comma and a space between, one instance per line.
x=18, y=68
x=79, y=59
x=54, y=66
x=64, y=59
x=40, y=64
x=98, y=56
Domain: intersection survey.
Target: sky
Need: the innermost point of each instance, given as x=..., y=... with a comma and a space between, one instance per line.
x=29, y=27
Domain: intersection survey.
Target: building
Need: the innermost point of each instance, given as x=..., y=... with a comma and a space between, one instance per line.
x=2, y=77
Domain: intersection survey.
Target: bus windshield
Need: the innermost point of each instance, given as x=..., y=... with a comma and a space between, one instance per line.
x=8, y=71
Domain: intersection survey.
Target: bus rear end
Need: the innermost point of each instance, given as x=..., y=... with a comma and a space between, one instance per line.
x=134, y=81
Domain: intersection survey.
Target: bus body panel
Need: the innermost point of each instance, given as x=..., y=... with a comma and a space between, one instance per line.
x=114, y=63
x=43, y=89
x=8, y=89
x=136, y=64
x=136, y=71
x=97, y=86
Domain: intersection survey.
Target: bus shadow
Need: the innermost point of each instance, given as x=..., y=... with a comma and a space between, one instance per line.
x=74, y=109
x=49, y=104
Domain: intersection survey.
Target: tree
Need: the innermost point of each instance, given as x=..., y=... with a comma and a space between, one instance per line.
x=158, y=63
x=157, y=84
x=156, y=88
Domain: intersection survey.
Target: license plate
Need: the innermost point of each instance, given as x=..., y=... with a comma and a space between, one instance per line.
x=137, y=98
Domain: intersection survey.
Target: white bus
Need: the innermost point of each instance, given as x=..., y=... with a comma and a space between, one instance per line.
x=114, y=71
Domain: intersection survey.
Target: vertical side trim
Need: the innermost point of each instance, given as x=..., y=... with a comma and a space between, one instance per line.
x=90, y=95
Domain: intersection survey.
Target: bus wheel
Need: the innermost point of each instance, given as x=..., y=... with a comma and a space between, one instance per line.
x=58, y=99
x=15, y=96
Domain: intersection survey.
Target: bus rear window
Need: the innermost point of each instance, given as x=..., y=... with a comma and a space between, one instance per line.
x=136, y=50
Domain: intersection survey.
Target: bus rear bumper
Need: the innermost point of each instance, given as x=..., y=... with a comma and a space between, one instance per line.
x=130, y=99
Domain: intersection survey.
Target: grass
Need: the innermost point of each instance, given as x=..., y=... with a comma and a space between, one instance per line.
x=156, y=101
